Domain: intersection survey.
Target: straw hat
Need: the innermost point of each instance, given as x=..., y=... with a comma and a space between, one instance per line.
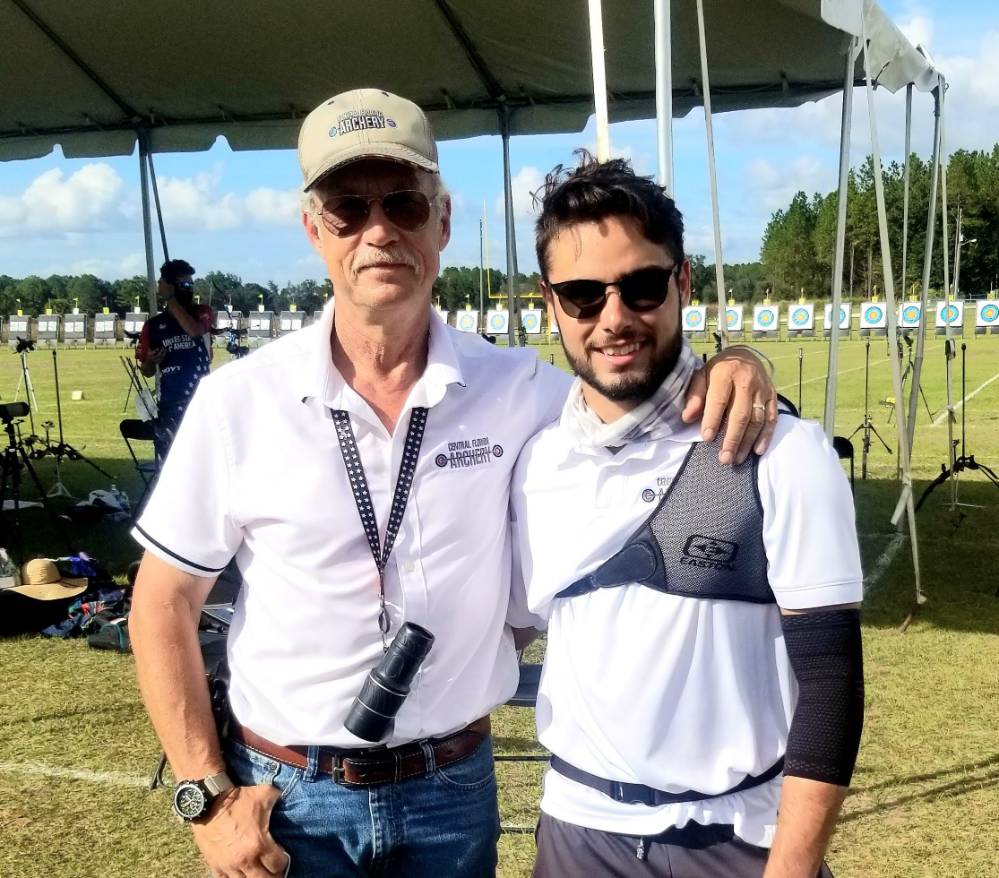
x=40, y=579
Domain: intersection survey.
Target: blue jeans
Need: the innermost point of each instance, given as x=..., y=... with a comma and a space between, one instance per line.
x=444, y=825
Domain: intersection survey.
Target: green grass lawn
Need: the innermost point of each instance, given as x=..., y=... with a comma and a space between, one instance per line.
x=75, y=745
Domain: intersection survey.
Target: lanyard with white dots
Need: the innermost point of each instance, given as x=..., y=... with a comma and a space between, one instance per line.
x=362, y=497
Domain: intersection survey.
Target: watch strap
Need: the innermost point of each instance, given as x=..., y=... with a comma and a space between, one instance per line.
x=216, y=784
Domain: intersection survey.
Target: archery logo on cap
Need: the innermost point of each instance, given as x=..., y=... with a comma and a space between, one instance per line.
x=360, y=124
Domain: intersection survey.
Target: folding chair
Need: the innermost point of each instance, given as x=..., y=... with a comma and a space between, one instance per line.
x=134, y=430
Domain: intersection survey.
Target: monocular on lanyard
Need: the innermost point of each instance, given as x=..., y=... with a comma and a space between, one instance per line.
x=386, y=687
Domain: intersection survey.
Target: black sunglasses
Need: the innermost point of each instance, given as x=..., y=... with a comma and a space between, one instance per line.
x=407, y=209
x=642, y=290
x=184, y=285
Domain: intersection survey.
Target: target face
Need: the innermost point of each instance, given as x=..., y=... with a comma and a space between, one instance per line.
x=949, y=314
x=467, y=321
x=910, y=314
x=531, y=323
x=989, y=313
x=766, y=318
x=732, y=318
x=873, y=314
x=694, y=319
x=799, y=317
x=497, y=322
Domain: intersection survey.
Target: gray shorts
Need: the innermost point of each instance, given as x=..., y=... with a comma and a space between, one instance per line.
x=694, y=851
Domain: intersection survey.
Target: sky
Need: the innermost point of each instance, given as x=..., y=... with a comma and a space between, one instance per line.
x=239, y=211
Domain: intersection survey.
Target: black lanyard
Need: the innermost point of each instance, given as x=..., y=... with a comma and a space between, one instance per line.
x=362, y=497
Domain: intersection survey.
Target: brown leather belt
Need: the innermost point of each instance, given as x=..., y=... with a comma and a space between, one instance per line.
x=369, y=767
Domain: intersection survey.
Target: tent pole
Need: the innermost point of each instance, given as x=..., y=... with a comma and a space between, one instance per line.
x=905, y=189
x=147, y=228
x=664, y=92
x=712, y=178
x=948, y=332
x=511, y=236
x=599, y=79
x=905, y=500
x=159, y=210
x=846, y=121
x=931, y=225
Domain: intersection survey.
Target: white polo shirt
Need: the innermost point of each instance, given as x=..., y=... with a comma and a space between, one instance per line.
x=672, y=692
x=256, y=471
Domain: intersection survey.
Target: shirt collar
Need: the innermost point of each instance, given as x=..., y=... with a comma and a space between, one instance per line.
x=323, y=381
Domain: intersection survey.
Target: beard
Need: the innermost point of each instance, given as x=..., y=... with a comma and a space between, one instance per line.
x=185, y=298
x=634, y=387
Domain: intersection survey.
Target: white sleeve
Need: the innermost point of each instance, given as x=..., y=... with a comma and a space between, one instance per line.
x=518, y=615
x=188, y=521
x=809, y=525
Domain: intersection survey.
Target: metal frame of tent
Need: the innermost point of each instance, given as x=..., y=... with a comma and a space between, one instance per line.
x=488, y=51
x=923, y=76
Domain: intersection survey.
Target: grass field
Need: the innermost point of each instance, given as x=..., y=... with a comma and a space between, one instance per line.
x=75, y=747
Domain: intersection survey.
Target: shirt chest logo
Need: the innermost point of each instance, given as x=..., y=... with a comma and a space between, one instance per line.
x=710, y=552
x=464, y=453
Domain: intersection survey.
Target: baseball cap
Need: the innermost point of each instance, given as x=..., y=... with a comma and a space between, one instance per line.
x=360, y=124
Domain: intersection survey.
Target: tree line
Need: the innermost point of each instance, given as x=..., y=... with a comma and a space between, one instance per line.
x=797, y=249
x=796, y=254
x=454, y=289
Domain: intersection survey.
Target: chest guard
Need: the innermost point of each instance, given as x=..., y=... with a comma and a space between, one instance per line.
x=703, y=540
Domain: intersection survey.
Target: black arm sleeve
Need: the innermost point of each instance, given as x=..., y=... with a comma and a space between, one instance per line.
x=826, y=655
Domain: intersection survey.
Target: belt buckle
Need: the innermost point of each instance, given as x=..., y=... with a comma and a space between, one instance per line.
x=621, y=793
x=338, y=773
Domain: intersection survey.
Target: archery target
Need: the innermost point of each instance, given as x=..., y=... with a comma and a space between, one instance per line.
x=801, y=317
x=950, y=313
x=733, y=318
x=988, y=314
x=695, y=318
x=498, y=321
x=910, y=315
x=467, y=321
x=873, y=315
x=766, y=318
x=531, y=321
x=844, y=316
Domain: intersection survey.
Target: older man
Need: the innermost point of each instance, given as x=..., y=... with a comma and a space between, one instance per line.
x=359, y=472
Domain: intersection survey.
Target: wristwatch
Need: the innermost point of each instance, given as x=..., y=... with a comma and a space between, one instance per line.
x=193, y=798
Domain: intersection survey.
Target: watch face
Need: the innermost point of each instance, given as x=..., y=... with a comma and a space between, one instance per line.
x=189, y=801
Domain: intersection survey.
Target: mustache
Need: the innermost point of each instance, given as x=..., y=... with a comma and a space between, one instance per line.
x=371, y=258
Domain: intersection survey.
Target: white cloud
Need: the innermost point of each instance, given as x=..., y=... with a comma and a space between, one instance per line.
x=273, y=206
x=524, y=184
x=53, y=202
x=96, y=199
x=774, y=187
x=107, y=268
x=918, y=29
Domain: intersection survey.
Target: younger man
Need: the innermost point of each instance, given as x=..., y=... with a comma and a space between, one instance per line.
x=704, y=659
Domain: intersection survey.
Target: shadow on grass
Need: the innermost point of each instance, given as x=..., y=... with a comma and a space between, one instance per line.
x=956, y=551
x=962, y=768
x=37, y=534
x=950, y=790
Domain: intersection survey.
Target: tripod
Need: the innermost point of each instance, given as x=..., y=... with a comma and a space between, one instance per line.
x=25, y=381
x=962, y=461
x=63, y=450
x=909, y=365
x=867, y=425
x=13, y=458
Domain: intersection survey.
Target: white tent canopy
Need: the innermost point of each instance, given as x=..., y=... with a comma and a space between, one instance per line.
x=89, y=76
